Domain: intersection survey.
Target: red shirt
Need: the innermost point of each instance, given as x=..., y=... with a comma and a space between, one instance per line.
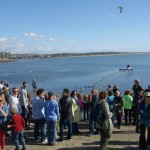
x=19, y=123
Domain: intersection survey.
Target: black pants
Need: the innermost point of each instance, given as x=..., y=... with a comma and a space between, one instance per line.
x=85, y=111
x=25, y=115
x=143, y=141
x=119, y=120
x=127, y=115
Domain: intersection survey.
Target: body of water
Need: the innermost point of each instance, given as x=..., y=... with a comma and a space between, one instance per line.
x=76, y=72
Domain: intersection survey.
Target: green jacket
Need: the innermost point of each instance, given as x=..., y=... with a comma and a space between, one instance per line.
x=107, y=123
x=127, y=101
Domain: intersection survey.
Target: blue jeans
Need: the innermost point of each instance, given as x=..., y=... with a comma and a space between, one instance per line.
x=51, y=131
x=92, y=125
x=65, y=121
x=40, y=124
x=18, y=136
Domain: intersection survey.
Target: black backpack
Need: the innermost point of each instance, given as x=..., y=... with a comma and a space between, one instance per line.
x=98, y=115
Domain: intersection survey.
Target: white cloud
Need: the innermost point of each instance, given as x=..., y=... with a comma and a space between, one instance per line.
x=51, y=39
x=70, y=42
x=3, y=39
x=35, y=36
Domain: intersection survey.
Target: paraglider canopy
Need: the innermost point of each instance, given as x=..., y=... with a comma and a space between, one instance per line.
x=121, y=8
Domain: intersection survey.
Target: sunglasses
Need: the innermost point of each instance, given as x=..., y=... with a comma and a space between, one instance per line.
x=15, y=91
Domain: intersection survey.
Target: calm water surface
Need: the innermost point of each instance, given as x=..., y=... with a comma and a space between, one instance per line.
x=76, y=72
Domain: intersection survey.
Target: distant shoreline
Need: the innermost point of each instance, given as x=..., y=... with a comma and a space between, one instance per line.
x=7, y=60
x=16, y=57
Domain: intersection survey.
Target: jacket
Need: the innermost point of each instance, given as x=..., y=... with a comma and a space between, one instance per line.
x=51, y=110
x=65, y=106
x=144, y=112
x=127, y=101
x=38, y=108
x=18, y=123
x=107, y=123
x=118, y=104
x=76, y=113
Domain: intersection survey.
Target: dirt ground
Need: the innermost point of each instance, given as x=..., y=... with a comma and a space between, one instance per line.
x=124, y=138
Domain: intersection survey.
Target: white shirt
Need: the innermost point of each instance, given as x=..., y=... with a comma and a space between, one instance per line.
x=14, y=103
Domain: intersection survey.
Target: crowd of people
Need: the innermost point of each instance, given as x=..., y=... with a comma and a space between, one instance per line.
x=18, y=108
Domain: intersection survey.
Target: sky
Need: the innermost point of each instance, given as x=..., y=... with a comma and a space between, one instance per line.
x=66, y=26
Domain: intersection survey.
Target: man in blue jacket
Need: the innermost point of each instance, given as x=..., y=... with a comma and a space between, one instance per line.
x=39, y=116
x=144, y=111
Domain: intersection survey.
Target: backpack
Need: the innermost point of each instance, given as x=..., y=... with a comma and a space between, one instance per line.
x=98, y=115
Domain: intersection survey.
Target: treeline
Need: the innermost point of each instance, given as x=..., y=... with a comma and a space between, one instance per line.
x=5, y=55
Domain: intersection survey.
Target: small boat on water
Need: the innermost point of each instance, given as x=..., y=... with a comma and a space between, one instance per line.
x=125, y=68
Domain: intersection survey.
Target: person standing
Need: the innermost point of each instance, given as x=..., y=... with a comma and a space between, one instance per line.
x=127, y=106
x=13, y=100
x=24, y=103
x=118, y=104
x=85, y=103
x=106, y=125
x=65, y=105
x=136, y=89
x=144, y=111
x=76, y=113
x=34, y=86
x=94, y=101
x=110, y=100
x=17, y=129
x=4, y=111
x=51, y=116
x=39, y=116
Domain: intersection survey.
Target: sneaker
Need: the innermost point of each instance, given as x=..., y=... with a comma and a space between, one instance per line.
x=45, y=141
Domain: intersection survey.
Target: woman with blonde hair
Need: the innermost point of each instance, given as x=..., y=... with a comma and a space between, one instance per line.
x=4, y=110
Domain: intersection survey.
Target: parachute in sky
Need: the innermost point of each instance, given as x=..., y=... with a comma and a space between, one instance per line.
x=121, y=8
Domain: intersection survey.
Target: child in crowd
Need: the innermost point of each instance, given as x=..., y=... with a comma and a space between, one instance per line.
x=17, y=129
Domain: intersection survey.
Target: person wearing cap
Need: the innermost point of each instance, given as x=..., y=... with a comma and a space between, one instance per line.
x=51, y=116
x=144, y=111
